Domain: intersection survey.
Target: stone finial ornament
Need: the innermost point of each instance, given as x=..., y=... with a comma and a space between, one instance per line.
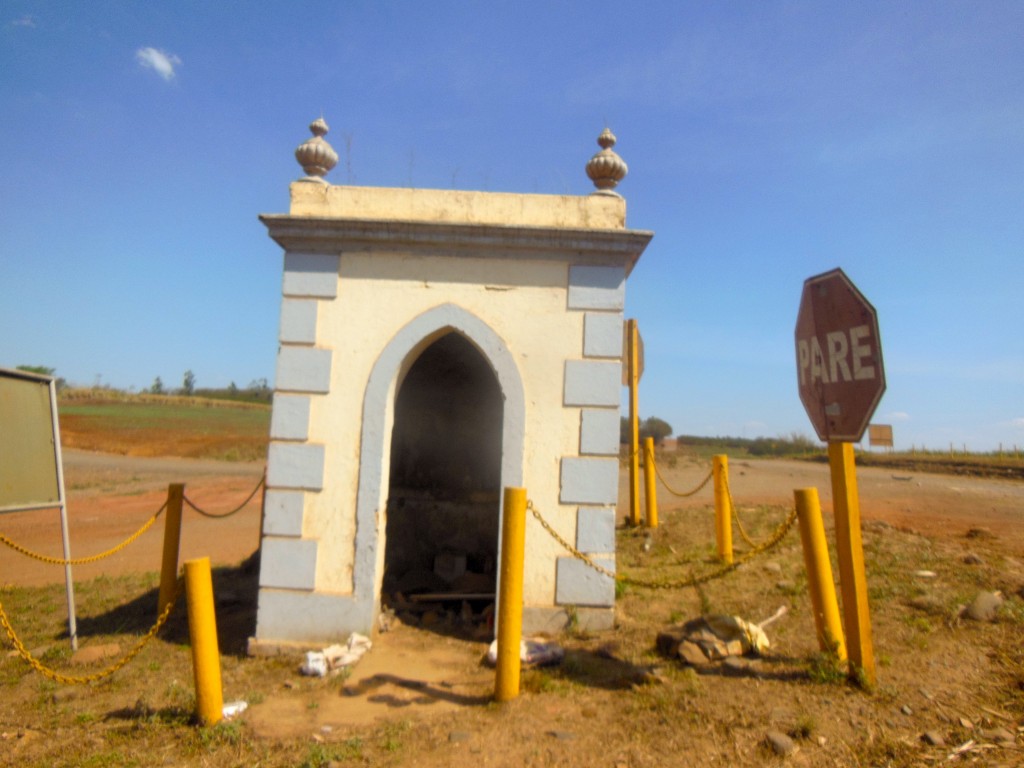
x=606, y=169
x=315, y=155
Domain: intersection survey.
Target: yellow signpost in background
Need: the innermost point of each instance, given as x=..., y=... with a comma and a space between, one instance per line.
x=633, y=380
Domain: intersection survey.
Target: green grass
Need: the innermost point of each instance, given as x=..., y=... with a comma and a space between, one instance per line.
x=204, y=419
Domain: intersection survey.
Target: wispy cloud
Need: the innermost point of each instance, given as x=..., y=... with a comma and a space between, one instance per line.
x=24, y=21
x=1018, y=423
x=897, y=416
x=161, y=62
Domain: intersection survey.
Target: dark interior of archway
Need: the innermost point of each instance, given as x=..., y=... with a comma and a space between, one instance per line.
x=443, y=499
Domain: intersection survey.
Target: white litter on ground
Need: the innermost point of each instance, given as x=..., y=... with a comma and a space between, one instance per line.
x=533, y=652
x=335, y=658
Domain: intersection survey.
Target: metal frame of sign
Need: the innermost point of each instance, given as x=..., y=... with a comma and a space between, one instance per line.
x=22, y=429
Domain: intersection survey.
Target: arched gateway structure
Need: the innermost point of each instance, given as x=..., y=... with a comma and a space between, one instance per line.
x=436, y=346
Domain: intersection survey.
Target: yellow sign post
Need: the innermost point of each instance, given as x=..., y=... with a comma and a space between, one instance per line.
x=650, y=486
x=850, y=554
x=633, y=376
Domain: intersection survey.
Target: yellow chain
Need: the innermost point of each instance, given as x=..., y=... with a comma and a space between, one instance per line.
x=239, y=508
x=38, y=666
x=693, y=581
x=736, y=516
x=83, y=560
x=696, y=490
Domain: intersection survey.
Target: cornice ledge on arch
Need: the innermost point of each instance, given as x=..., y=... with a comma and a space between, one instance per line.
x=312, y=234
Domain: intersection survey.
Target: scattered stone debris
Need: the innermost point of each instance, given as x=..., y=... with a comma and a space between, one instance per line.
x=780, y=743
x=984, y=607
x=972, y=559
x=933, y=738
x=335, y=658
x=1000, y=736
x=715, y=637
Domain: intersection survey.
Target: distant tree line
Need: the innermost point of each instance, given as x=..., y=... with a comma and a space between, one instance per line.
x=794, y=444
x=43, y=370
x=652, y=427
x=258, y=390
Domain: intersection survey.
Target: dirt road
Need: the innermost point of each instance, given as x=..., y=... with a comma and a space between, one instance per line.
x=110, y=497
x=935, y=505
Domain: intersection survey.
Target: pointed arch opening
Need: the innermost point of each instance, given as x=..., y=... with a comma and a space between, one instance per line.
x=474, y=348
x=443, y=505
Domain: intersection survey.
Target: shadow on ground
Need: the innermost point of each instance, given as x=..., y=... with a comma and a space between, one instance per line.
x=234, y=590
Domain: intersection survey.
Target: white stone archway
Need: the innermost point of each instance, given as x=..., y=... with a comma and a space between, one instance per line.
x=378, y=413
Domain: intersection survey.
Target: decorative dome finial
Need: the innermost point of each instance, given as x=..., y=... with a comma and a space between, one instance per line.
x=315, y=155
x=606, y=169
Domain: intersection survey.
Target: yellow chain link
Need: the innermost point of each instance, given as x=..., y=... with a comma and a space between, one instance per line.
x=657, y=471
x=83, y=560
x=39, y=667
x=222, y=515
x=736, y=515
x=693, y=581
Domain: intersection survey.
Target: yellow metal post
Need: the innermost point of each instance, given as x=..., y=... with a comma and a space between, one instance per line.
x=172, y=543
x=650, y=487
x=633, y=374
x=510, y=594
x=819, y=573
x=202, y=630
x=723, y=507
x=850, y=554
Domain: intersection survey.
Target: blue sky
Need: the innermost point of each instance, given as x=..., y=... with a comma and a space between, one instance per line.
x=766, y=141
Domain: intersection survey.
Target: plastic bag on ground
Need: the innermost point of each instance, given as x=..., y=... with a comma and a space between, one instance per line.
x=533, y=652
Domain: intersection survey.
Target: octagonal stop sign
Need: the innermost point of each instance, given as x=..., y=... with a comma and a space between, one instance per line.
x=838, y=357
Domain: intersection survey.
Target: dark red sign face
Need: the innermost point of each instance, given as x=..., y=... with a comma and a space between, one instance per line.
x=838, y=357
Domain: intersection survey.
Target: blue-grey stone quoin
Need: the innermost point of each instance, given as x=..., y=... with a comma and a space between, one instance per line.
x=295, y=465
x=602, y=334
x=595, y=529
x=290, y=418
x=298, y=321
x=589, y=481
x=597, y=287
x=311, y=274
x=303, y=369
x=282, y=513
x=579, y=584
x=288, y=563
x=592, y=382
x=599, y=431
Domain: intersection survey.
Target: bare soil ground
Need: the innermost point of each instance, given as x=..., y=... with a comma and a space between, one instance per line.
x=422, y=696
